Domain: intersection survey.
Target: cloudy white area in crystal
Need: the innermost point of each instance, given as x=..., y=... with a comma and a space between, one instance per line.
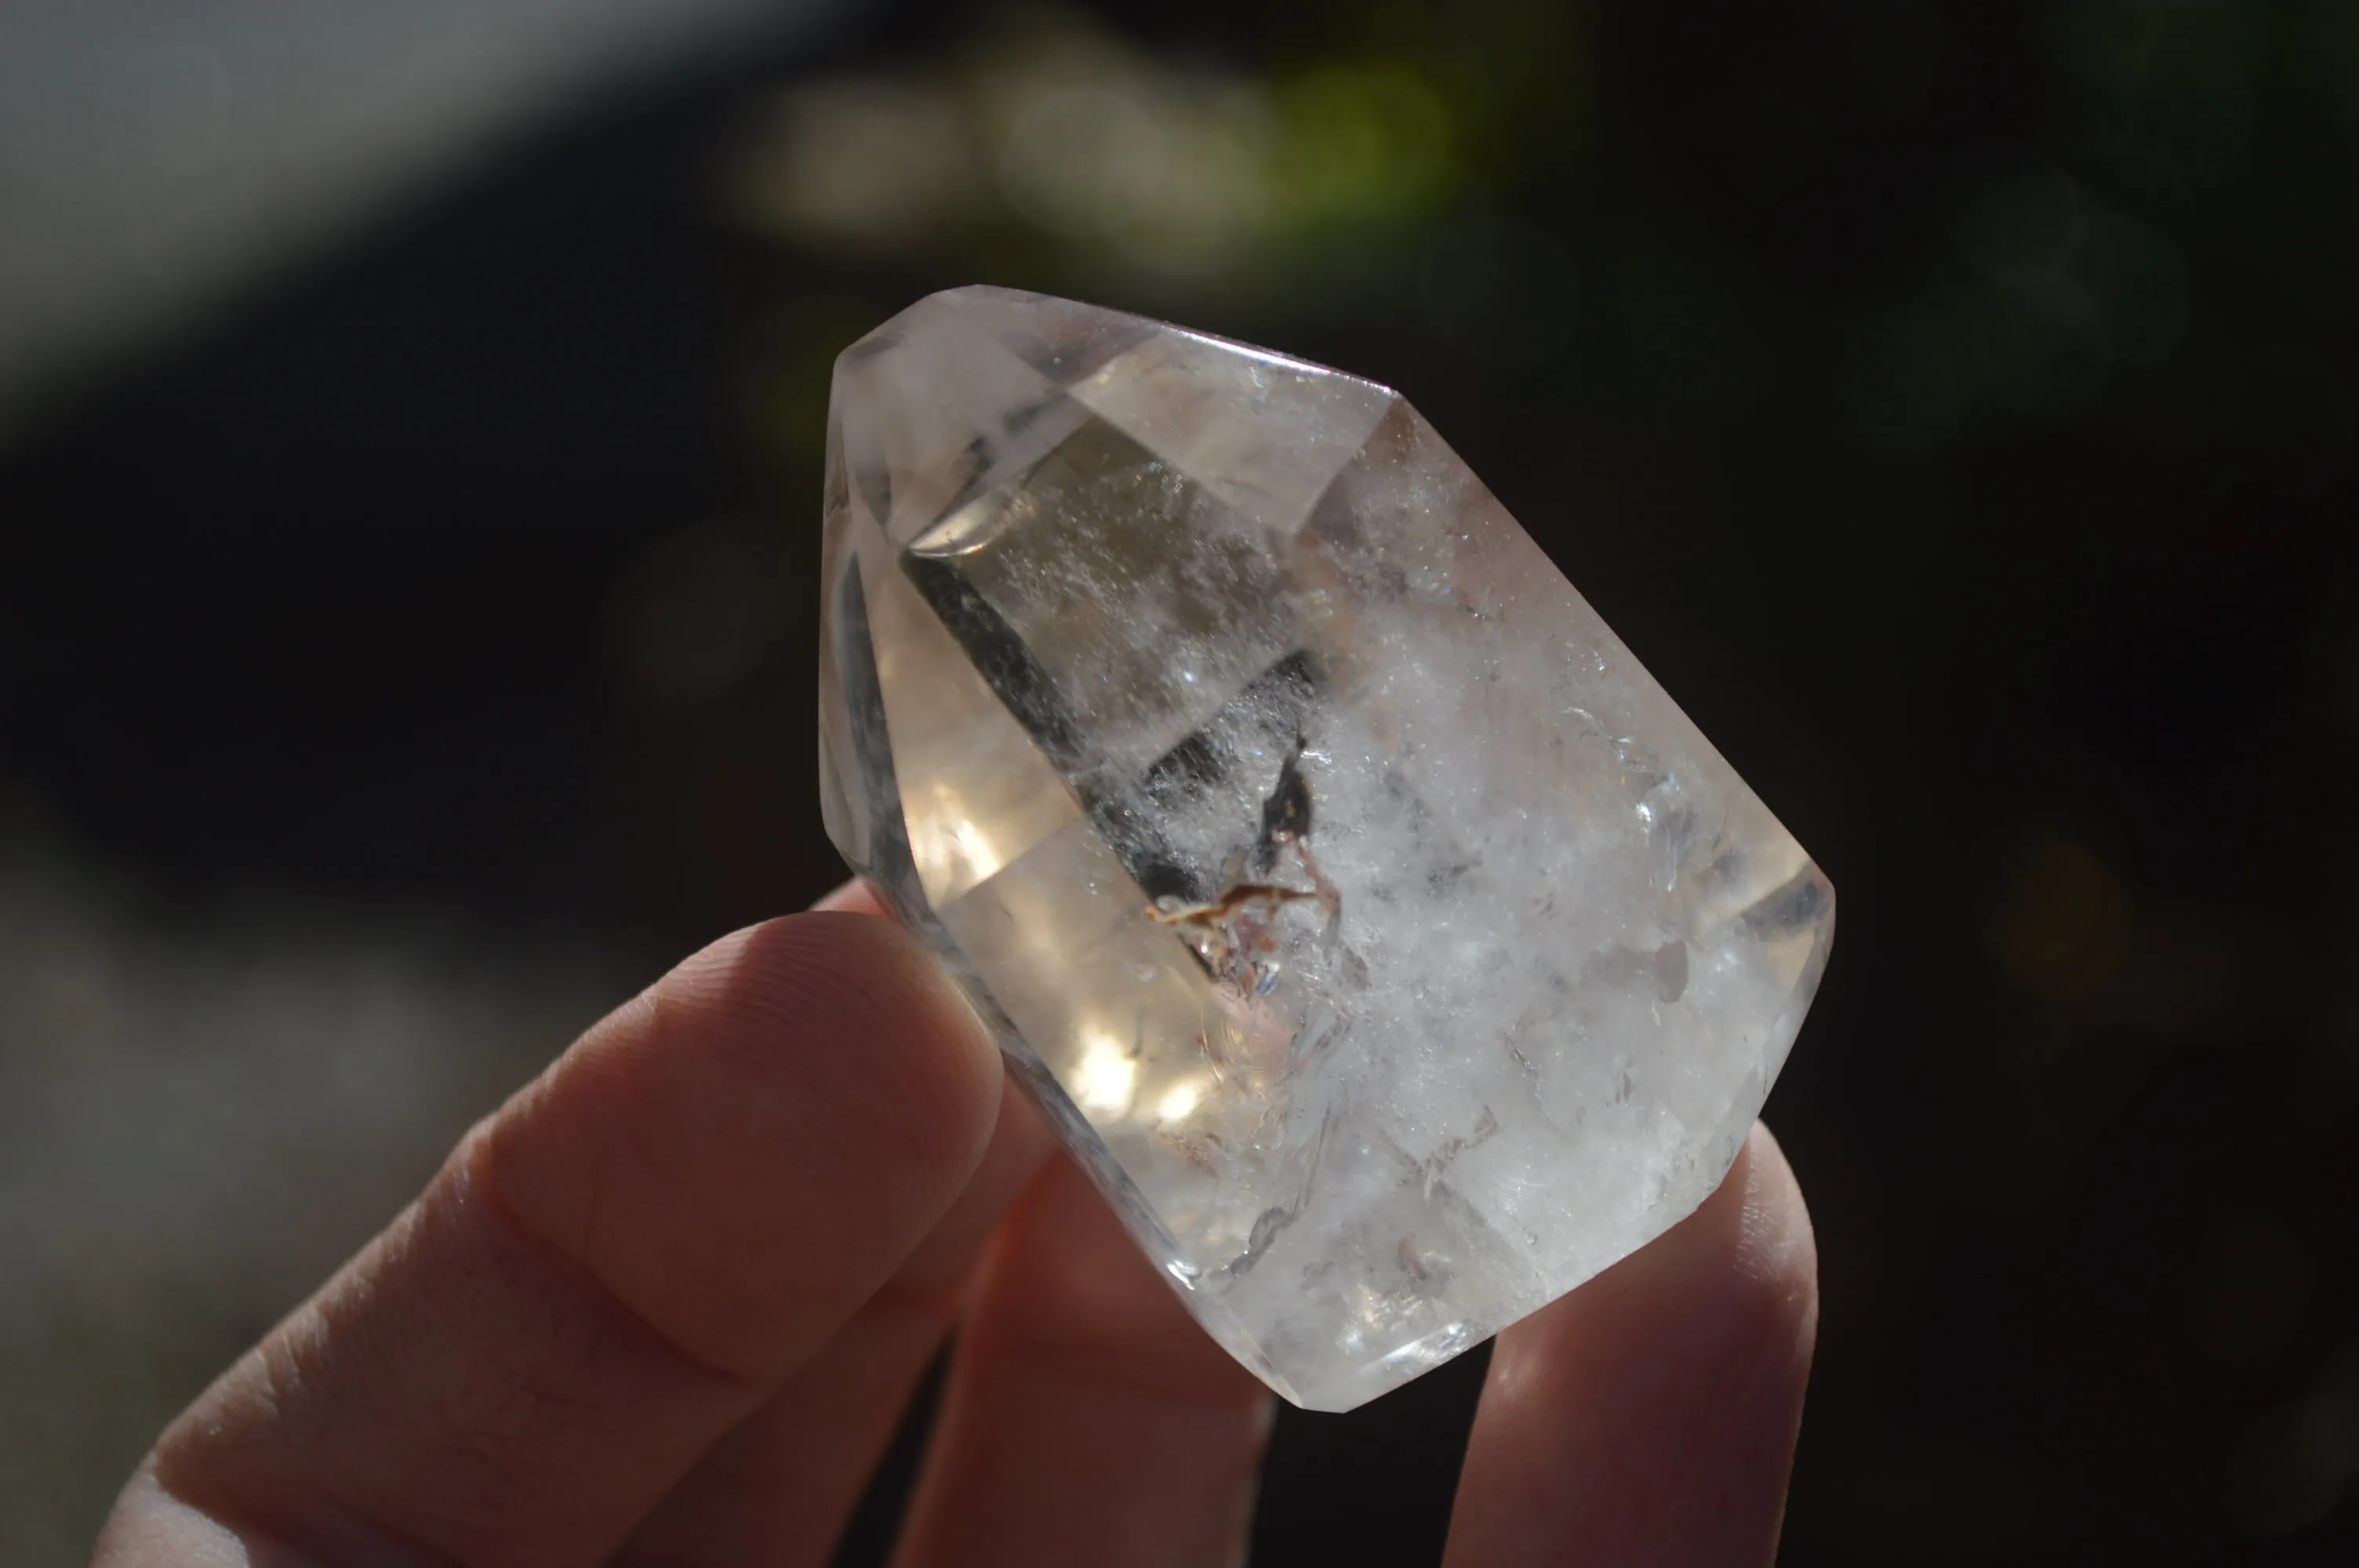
x=1389, y=944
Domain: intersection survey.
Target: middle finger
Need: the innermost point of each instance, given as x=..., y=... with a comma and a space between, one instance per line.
x=779, y=1487
x=1087, y=1418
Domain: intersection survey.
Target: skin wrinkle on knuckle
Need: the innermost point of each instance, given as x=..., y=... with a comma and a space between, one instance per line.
x=576, y=1273
x=525, y=1427
x=571, y=1326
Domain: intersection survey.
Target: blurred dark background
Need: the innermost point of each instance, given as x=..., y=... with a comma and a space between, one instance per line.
x=407, y=653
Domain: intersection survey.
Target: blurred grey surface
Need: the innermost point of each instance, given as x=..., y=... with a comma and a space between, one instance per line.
x=204, y=1108
x=160, y=156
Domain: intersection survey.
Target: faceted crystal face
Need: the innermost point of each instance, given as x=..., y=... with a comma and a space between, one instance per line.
x=1389, y=946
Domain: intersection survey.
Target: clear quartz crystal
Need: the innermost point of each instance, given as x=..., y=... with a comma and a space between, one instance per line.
x=1389, y=946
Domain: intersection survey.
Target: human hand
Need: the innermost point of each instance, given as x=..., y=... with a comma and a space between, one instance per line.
x=666, y=1306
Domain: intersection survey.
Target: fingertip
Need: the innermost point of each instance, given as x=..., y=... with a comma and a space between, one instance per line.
x=857, y=896
x=1777, y=1246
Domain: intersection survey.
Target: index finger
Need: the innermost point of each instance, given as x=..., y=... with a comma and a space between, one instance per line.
x=607, y=1274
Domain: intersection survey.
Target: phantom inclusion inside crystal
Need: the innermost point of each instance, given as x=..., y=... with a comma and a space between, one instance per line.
x=1387, y=944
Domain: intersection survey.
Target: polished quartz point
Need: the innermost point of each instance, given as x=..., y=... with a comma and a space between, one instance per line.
x=1388, y=944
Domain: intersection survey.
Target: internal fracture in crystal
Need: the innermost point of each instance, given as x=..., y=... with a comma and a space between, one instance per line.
x=1389, y=947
